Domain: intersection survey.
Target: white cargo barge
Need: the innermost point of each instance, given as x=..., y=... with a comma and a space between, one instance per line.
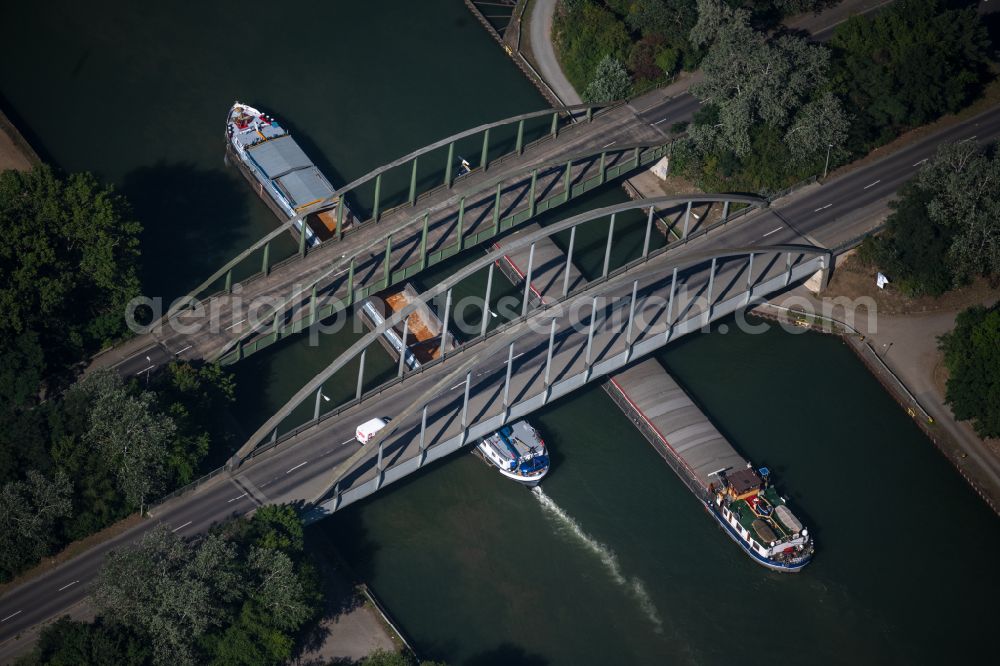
x=281, y=173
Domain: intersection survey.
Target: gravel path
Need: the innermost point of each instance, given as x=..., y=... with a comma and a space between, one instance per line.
x=541, y=15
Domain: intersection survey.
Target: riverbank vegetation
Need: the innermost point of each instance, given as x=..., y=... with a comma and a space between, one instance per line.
x=778, y=109
x=68, y=265
x=945, y=225
x=103, y=450
x=75, y=456
x=972, y=355
x=240, y=595
x=610, y=49
x=768, y=115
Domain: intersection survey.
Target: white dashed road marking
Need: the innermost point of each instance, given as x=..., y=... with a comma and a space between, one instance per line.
x=872, y=184
x=296, y=467
x=10, y=616
x=69, y=585
x=823, y=208
x=182, y=526
x=772, y=231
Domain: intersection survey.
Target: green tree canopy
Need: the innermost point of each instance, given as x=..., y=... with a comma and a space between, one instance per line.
x=131, y=434
x=238, y=596
x=610, y=82
x=945, y=228
x=754, y=81
x=906, y=65
x=29, y=511
x=586, y=33
x=972, y=354
x=170, y=590
x=68, y=259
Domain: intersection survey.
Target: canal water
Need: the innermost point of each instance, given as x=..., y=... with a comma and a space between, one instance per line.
x=613, y=561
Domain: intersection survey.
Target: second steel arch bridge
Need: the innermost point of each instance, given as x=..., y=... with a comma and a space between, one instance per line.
x=549, y=351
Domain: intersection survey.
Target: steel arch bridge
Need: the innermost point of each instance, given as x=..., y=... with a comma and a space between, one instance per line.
x=590, y=331
x=499, y=193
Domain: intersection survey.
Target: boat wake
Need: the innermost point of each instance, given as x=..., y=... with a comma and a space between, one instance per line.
x=607, y=556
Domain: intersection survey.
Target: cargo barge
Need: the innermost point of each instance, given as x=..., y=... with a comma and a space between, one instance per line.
x=423, y=329
x=282, y=175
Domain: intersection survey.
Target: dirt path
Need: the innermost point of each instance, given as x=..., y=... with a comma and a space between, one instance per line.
x=543, y=53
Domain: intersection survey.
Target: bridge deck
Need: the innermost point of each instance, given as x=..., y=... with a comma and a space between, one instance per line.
x=617, y=128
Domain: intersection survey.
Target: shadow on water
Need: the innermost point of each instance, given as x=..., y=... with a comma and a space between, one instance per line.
x=339, y=580
x=167, y=198
x=506, y=654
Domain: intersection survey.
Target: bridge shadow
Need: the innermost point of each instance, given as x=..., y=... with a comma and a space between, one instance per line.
x=191, y=219
x=506, y=654
x=336, y=547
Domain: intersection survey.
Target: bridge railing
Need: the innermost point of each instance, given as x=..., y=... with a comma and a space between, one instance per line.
x=183, y=490
x=269, y=431
x=260, y=251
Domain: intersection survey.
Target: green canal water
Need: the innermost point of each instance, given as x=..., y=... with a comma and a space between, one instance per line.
x=614, y=562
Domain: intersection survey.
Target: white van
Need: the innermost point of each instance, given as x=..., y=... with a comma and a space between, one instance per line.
x=368, y=429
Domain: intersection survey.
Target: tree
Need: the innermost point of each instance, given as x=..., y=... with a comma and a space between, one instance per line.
x=29, y=511
x=585, y=33
x=965, y=181
x=610, y=82
x=972, y=354
x=130, y=433
x=193, y=396
x=68, y=258
x=239, y=596
x=23, y=442
x=945, y=228
x=906, y=65
x=767, y=117
x=911, y=251
x=754, y=81
x=170, y=590
x=819, y=124
x=670, y=19
x=66, y=642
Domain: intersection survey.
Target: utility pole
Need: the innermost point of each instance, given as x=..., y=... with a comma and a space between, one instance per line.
x=826, y=168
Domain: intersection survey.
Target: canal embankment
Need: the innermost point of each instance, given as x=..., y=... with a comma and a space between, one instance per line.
x=15, y=151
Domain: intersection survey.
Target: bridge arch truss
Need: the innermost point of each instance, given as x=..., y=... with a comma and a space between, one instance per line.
x=587, y=333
